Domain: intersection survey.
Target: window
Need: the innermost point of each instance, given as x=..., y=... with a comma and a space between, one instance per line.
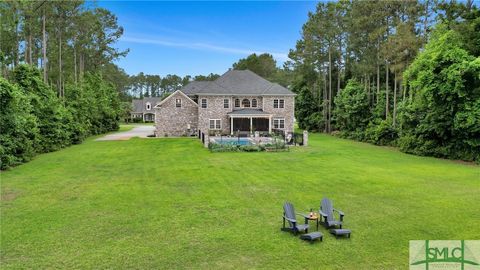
x=279, y=123
x=246, y=103
x=278, y=103
x=237, y=102
x=226, y=103
x=148, y=106
x=204, y=103
x=215, y=124
x=254, y=103
x=178, y=103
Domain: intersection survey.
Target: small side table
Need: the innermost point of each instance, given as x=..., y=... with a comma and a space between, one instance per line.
x=315, y=217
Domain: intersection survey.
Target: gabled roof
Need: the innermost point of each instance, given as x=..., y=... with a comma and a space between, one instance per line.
x=236, y=82
x=139, y=105
x=173, y=94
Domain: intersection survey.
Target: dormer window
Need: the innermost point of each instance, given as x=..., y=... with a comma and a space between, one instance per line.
x=178, y=103
x=148, y=106
x=254, y=103
x=246, y=103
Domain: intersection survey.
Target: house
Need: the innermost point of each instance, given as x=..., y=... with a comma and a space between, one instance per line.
x=144, y=109
x=238, y=101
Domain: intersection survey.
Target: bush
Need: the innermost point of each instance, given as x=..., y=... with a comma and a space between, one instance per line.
x=53, y=118
x=137, y=120
x=382, y=133
x=442, y=115
x=352, y=112
x=19, y=132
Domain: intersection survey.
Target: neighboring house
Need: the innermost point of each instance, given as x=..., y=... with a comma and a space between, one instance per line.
x=238, y=101
x=144, y=108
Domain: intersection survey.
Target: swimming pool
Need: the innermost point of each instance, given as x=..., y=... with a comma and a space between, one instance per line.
x=233, y=141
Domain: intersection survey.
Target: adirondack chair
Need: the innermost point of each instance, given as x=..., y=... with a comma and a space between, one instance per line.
x=326, y=211
x=289, y=215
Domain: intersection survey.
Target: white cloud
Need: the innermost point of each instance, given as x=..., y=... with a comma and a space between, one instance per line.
x=202, y=46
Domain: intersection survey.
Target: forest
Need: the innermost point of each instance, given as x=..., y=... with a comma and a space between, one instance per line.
x=396, y=73
x=58, y=81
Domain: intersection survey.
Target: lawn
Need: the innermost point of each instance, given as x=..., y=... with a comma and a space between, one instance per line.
x=170, y=203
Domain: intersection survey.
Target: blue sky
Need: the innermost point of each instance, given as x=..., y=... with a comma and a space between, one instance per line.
x=203, y=37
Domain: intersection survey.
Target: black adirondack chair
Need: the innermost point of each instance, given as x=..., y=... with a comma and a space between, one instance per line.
x=326, y=211
x=289, y=215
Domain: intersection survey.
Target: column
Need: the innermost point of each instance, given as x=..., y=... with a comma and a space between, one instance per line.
x=251, y=124
x=269, y=124
x=231, y=125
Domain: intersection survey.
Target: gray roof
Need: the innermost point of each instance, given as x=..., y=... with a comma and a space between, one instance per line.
x=247, y=112
x=139, y=105
x=236, y=82
x=193, y=87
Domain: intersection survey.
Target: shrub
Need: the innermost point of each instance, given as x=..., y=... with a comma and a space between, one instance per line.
x=382, y=133
x=19, y=132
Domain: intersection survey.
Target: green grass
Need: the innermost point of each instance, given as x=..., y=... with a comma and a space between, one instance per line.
x=169, y=203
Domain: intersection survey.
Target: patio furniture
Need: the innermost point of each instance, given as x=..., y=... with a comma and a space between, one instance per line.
x=289, y=215
x=340, y=232
x=311, y=217
x=312, y=236
x=326, y=211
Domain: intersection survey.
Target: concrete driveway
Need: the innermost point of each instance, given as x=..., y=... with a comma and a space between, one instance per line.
x=138, y=131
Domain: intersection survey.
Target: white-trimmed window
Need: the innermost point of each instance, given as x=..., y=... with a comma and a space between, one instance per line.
x=215, y=124
x=279, y=123
x=148, y=106
x=254, y=103
x=178, y=103
x=226, y=103
x=278, y=103
x=204, y=103
x=237, y=102
x=246, y=103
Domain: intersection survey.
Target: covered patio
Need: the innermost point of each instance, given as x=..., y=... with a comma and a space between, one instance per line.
x=250, y=120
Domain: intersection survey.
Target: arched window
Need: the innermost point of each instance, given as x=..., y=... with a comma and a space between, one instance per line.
x=237, y=102
x=246, y=103
x=148, y=106
x=254, y=103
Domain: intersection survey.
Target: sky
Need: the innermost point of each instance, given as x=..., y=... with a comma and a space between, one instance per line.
x=193, y=38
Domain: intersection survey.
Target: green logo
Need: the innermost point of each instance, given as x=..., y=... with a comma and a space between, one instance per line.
x=444, y=254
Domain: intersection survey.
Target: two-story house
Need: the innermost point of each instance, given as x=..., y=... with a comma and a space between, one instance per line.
x=144, y=108
x=238, y=101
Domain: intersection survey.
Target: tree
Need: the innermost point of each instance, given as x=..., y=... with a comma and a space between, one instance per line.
x=352, y=108
x=441, y=117
x=263, y=65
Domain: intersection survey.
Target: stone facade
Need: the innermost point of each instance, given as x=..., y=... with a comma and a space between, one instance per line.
x=191, y=117
x=214, y=110
x=173, y=121
x=176, y=121
x=286, y=113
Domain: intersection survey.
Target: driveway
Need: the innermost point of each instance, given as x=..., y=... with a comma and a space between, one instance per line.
x=138, y=131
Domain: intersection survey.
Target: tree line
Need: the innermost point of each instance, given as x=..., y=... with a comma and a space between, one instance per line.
x=146, y=85
x=402, y=73
x=58, y=81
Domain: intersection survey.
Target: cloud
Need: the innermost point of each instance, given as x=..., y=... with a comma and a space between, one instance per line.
x=202, y=46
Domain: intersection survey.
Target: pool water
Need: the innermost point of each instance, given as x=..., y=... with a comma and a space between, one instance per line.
x=234, y=141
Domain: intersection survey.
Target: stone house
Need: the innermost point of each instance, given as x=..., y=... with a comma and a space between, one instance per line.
x=144, y=108
x=238, y=101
